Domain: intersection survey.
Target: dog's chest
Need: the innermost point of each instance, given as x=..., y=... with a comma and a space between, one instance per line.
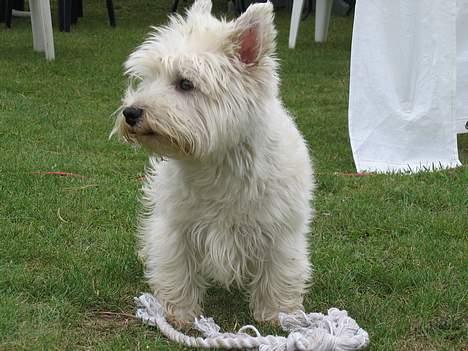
x=224, y=217
x=227, y=252
x=225, y=230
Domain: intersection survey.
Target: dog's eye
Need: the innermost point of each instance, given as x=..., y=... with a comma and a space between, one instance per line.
x=185, y=85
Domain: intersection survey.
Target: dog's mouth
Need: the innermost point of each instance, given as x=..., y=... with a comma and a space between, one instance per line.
x=140, y=130
x=142, y=133
x=149, y=133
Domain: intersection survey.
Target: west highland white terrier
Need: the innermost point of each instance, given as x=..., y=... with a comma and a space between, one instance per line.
x=229, y=201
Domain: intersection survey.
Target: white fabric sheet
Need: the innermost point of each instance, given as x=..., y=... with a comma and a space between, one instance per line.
x=403, y=85
x=462, y=67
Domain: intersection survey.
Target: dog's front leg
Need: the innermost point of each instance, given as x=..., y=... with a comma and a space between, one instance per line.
x=282, y=280
x=172, y=274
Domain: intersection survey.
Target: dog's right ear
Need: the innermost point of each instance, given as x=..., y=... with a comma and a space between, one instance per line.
x=255, y=33
x=201, y=7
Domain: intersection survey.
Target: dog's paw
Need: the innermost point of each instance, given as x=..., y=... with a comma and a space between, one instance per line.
x=180, y=324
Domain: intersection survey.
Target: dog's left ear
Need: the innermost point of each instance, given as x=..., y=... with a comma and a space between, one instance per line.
x=255, y=33
x=201, y=6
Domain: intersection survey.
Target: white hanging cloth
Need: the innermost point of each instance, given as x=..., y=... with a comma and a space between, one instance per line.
x=462, y=67
x=402, y=114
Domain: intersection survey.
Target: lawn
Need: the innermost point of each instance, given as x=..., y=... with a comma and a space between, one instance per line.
x=390, y=249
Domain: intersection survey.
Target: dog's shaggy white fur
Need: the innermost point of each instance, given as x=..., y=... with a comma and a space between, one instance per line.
x=232, y=203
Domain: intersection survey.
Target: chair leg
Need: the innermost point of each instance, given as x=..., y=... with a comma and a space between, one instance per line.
x=110, y=12
x=322, y=19
x=36, y=24
x=175, y=4
x=80, y=7
x=2, y=10
x=295, y=20
x=60, y=5
x=75, y=10
x=47, y=34
x=8, y=12
x=310, y=9
x=64, y=8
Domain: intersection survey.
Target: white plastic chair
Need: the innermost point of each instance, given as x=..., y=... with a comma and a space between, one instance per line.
x=322, y=19
x=41, y=21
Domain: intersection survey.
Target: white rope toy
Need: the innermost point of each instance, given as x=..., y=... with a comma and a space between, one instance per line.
x=307, y=332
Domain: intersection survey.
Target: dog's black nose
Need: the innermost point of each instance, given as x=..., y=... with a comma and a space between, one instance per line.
x=132, y=115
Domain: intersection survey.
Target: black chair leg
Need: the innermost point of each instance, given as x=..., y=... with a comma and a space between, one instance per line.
x=310, y=9
x=79, y=7
x=70, y=10
x=65, y=9
x=8, y=11
x=75, y=10
x=2, y=10
x=175, y=4
x=110, y=12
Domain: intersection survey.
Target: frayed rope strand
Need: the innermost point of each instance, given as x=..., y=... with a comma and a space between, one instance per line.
x=335, y=331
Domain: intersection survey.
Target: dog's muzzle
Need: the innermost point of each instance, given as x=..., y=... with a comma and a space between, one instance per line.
x=132, y=115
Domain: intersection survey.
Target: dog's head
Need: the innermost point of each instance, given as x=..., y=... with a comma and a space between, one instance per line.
x=196, y=85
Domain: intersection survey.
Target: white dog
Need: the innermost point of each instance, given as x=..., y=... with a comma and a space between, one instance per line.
x=231, y=204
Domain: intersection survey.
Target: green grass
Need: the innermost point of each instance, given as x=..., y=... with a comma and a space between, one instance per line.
x=390, y=249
